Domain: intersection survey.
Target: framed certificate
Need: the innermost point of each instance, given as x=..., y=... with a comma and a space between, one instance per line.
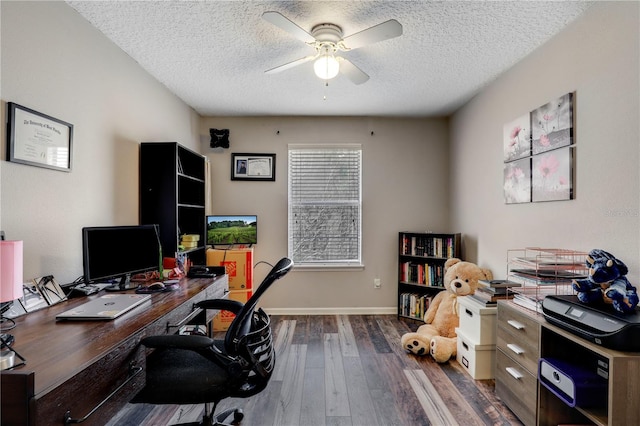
x=253, y=167
x=37, y=139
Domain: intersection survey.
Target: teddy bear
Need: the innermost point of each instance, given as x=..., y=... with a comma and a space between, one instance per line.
x=437, y=336
x=606, y=283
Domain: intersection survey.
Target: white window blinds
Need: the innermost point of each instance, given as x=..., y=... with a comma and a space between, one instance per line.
x=325, y=205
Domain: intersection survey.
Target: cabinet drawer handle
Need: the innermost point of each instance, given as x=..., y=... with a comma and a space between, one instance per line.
x=515, y=324
x=468, y=312
x=133, y=372
x=514, y=373
x=515, y=349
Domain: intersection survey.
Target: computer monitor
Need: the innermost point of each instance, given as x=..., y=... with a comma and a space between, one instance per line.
x=232, y=229
x=117, y=252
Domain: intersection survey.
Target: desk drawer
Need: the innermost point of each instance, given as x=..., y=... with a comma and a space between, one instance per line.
x=517, y=388
x=517, y=336
x=79, y=395
x=183, y=314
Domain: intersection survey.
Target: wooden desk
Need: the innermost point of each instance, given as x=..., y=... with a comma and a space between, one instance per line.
x=72, y=366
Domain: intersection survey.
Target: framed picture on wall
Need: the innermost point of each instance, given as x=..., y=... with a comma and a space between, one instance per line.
x=38, y=139
x=552, y=175
x=517, y=181
x=516, y=138
x=253, y=167
x=552, y=125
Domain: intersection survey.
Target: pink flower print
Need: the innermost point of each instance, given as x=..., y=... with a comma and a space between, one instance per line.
x=562, y=180
x=515, y=132
x=547, y=117
x=544, y=140
x=548, y=165
x=518, y=173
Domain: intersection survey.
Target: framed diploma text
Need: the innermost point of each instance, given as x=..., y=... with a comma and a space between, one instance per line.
x=37, y=139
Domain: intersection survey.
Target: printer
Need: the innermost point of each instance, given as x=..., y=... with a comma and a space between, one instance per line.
x=600, y=324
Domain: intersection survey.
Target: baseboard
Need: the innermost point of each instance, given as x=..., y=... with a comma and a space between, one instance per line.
x=333, y=311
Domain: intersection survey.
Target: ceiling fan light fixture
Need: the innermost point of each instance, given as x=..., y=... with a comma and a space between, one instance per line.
x=326, y=67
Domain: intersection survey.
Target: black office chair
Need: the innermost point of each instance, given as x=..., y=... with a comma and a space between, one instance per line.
x=191, y=369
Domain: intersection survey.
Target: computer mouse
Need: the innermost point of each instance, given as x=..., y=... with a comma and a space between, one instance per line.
x=156, y=286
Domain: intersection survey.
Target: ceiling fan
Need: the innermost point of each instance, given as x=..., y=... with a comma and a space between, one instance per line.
x=327, y=39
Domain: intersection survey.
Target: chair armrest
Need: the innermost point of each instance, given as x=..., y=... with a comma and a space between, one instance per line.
x=232, y=306
x=177, y=341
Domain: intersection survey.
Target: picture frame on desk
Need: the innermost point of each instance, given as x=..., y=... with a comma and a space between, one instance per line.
x=37, y=139
x=32, y=300
x=50, y=289
x=253, y=167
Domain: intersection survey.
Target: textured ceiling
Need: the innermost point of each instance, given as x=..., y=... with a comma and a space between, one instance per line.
x=213, y=54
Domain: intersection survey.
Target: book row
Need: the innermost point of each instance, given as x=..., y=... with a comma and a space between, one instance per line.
x=427, y=246
x=414, y=305
x=422, y=273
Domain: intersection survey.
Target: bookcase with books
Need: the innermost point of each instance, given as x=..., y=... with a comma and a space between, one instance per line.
x=421, y=258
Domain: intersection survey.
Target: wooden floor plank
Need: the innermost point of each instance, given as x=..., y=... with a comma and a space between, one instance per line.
x=329, y=323
x=315, y=342
x=289, y=406
x=283, y=338
x=434, y=407
x=361, y=405
x=187, y=414
x=361, y=335
x=453, y=397
x=473, y=396
x=347, y=340
x=406, y=406
x=131, y=415
x=376, y=335
x=336, y=397
x=313, y=412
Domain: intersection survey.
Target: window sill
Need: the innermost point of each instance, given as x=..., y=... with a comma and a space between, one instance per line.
x=327, y=267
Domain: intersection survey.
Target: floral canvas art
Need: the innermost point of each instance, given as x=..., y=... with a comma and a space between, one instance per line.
x=552, y=125
x=552, y=175
x=516, y=138
x=517, y=181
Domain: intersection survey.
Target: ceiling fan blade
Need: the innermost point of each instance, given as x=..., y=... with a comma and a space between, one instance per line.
x=290, y=64
x=380, y=32
x=280, y=21
x=352, y=72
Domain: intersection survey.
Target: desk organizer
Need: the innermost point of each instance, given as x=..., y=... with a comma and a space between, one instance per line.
x=574, y=385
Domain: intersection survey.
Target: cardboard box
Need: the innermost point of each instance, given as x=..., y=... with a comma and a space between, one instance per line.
x=222, y=321
x=238, y=264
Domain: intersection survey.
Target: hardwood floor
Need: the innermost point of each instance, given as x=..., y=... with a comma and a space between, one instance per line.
x=349, y=370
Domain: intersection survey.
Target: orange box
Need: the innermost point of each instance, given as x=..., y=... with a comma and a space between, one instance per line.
x=238, y=264
x=222, y=321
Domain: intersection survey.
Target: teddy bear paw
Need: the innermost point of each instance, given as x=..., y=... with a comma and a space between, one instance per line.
x=439, y=352
x=416, y=347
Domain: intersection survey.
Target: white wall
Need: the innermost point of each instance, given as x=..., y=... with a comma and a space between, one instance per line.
x=597, y=58
x=53, y=61
x=404, y=188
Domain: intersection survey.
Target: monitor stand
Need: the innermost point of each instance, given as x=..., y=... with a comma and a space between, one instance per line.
x=124, y=284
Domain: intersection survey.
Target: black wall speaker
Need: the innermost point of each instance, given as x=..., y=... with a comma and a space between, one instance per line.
x=219, y=138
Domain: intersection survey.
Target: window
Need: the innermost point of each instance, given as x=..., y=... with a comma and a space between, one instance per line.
x=325, y=205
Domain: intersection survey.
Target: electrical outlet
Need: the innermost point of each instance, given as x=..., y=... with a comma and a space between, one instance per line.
x=377, y=283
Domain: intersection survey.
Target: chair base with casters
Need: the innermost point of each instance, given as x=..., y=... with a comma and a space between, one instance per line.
x=191, y=369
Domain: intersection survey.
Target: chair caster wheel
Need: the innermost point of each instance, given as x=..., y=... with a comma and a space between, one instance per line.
x=238, y=415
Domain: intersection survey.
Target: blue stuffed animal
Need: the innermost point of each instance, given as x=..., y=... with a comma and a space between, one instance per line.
x=606, y=283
